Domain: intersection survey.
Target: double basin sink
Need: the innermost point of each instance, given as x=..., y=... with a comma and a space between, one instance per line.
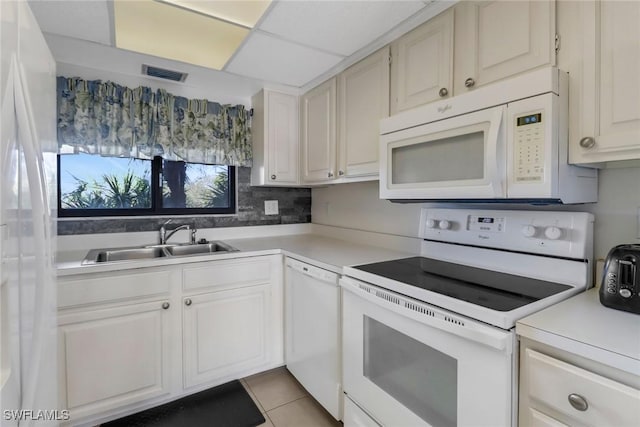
x=98, y=256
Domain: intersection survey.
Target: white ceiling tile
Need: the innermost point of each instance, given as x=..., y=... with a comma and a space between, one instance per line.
x=341, y=27
x=245, y=12
x=273, y=59
x=85, y=20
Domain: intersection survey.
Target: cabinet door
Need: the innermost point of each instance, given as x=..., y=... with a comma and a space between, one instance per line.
x=538, y=419
x=577, y=396
x=113, y=357
x=225, y=333
x=319, y=133
x=608, y=102
x=498, y=39
x=422, y=64
x=363, y=95
x=282, y=136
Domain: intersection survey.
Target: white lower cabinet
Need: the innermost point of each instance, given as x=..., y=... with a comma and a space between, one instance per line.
x=225, y=333
x=113, y=357
x=538, y=419
x=556, y=392
x=133, y=339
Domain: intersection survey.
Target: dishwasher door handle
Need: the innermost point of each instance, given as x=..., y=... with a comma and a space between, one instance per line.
x=312, y=271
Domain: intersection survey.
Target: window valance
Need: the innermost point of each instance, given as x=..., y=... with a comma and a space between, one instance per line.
x=105, y=118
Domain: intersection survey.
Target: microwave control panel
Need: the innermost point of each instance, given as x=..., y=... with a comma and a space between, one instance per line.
x=529, y=148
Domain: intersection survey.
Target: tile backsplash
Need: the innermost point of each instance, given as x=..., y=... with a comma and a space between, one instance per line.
x=294, y=207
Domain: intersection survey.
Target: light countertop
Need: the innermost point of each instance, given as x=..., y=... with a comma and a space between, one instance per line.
x=583, y=326
x=324, y=252
x=328, y=253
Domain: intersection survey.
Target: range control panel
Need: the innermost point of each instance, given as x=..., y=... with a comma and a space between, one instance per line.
x=529, y=148
x=563, y=234
x=492, y=224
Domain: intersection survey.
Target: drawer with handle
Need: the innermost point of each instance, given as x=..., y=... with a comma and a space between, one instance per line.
x=579, y=394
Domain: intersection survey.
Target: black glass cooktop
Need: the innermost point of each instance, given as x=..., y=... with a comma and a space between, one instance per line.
x=497, y=291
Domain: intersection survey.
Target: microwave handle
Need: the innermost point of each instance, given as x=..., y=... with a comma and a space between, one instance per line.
x=496, y=144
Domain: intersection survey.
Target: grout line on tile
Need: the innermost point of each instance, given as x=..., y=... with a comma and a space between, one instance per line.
x=269, y=418
x=253, y=396
x=285, y=404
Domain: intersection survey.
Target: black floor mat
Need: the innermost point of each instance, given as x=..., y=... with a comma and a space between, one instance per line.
x=228, y=405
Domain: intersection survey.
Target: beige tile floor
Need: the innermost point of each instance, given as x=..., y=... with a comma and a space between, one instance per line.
x=284, y=402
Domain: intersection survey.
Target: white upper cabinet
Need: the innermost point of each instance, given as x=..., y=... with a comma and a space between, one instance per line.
x=606, y=96
x=363, y=99
x=319, y=133
x=422, y=64
x=470, y=45
x=275, y=139
x=498, y=39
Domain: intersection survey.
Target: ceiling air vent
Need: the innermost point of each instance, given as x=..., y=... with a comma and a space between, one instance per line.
x=162, y=73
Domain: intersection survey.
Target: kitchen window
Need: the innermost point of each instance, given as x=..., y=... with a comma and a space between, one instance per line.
x=92, y=185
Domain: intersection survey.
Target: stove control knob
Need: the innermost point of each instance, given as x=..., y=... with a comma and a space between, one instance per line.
x=444, y=225
x=529, y=231
x=553, y=233
x=431, y=223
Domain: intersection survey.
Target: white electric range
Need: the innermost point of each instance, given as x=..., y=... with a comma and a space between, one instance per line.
x=430, y=340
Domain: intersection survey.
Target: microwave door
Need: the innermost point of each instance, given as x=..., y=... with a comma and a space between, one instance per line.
x=458, y=158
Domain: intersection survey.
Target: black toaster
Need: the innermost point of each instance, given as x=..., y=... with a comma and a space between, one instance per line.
x=620, y=288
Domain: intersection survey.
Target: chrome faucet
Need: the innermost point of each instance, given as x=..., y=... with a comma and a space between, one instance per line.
x=166, y=234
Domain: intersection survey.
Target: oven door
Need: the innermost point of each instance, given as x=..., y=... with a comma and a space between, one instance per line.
x=410, y=364
x=463, y=157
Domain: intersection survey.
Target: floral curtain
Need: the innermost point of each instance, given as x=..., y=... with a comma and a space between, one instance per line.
x=104, y=118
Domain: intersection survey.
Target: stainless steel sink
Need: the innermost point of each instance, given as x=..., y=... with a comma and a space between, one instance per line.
x=98, y=256
x=200, y=249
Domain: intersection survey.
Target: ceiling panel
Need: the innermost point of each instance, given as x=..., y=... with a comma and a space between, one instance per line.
x=86, y=20
x=245, y=12
x=341, y=27
x=269, y=58
x=169, y=32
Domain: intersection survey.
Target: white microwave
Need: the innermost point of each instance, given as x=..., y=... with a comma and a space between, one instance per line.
x=503, y=142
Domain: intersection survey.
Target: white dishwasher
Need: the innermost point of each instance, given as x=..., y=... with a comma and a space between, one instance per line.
x=312, y=332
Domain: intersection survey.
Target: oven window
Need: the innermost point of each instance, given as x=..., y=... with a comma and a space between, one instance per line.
x=422, y=379
x=455, y=158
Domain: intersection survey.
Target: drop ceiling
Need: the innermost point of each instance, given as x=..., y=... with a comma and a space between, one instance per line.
x=290, y=43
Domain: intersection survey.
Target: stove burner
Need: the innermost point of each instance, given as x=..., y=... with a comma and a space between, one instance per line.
x=486, y=288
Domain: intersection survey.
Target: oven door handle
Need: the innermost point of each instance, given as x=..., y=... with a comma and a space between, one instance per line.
x=430, y=315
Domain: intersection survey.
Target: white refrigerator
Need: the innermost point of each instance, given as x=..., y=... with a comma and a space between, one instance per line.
x=28, y=344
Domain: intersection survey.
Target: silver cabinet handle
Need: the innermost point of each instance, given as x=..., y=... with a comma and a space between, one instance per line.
x=330, y=175
x=587, y=142
x=443, y=92
x=578, y=402
x=187, y=301
x=469, y=82
x=341, y=173
x=165, y=305
x=273, y=177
